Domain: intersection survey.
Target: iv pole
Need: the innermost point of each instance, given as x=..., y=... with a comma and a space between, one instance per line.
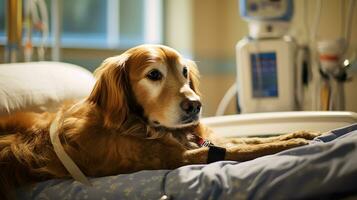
x=14, y=26
x=13, y=29
x=56, y=25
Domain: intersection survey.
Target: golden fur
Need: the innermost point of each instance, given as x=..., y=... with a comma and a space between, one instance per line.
x=125, y=125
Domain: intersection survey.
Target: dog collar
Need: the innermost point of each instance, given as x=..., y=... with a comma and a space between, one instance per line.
x=215, y=153
x=67, y=162
x=203, y=143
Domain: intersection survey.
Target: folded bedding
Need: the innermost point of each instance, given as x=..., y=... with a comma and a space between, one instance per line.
x=326, y=168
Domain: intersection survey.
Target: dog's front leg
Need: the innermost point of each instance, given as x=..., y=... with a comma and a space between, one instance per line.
x=228, y=142
x=249, y=152
x=243, y=152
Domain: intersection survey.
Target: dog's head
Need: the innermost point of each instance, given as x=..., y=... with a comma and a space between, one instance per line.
x=154, y=80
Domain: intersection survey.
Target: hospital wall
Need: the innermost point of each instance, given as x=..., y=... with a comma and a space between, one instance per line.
x=217, y=27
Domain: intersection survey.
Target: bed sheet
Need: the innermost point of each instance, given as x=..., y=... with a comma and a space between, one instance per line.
x=326, y=168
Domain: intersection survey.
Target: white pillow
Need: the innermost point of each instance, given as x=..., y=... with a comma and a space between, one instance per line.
x=41, y=86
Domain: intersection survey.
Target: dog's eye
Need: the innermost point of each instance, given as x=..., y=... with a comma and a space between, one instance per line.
x=154, y=75
x=184, y=72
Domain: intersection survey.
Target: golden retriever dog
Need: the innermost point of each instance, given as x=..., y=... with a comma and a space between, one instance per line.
x=142, y=114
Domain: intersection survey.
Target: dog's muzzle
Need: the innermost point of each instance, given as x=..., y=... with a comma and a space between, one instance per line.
x=191, y=109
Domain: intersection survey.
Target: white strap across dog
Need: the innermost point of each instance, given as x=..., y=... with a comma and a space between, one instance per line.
x=68, y=163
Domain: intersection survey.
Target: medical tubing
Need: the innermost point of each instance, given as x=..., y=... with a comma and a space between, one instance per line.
x=305, y=21
x=164, y=196
x=315, y=99
x=349, y=23
x=343, y=17
x=228, y=96
x=316, y=22
x=44, y=16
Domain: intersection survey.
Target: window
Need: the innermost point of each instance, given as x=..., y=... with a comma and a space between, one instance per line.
x=2, y=18
x=104, y=23
x=84, y=23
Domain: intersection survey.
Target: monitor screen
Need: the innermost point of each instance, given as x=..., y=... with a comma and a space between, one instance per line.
x=264, y=74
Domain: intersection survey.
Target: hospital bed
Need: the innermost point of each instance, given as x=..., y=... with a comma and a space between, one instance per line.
x=276, y=123
x=326, y=168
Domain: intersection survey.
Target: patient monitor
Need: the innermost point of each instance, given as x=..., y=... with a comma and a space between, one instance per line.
x=266, y=75
x=266, y=58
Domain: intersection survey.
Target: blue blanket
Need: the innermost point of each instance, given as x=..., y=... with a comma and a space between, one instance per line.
x=325, y=168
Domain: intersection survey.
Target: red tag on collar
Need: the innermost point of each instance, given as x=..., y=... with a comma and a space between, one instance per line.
x=203, y=143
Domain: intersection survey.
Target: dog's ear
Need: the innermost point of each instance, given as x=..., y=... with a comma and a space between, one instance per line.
x=109, y=92
x=193, y=76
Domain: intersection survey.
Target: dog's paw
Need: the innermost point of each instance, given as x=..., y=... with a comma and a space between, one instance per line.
x=308, y=135
x=295, y=142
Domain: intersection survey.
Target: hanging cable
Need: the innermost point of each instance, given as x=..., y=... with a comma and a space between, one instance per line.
x=40, y=21
x=28, y=47
x=305, y=21
x=44, y=15
x=349, y=23
x=343, y=17
x=314, y=57
x=316, y=22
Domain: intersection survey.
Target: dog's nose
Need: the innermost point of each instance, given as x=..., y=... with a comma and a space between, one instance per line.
x=191, y=107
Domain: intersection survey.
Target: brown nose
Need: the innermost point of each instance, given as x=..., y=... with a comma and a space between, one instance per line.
x=191, y=107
